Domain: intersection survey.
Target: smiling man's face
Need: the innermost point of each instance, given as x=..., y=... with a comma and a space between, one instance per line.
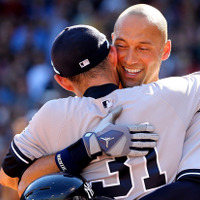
x=140, y=48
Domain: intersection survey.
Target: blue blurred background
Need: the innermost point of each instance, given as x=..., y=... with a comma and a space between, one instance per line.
x=27, y=30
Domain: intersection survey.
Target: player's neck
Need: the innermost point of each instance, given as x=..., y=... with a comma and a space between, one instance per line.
x=80, y=90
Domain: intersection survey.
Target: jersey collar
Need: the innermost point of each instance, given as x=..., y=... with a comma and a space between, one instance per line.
x=100, y=91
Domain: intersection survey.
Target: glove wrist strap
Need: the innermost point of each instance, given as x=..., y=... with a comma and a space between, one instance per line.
x=74, y=158
x=92, y=145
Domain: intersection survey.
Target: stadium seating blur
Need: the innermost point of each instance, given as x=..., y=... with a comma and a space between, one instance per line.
x=28, y=28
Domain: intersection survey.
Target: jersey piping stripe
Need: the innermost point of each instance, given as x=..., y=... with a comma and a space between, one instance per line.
x=189, y=173
x=17, y=154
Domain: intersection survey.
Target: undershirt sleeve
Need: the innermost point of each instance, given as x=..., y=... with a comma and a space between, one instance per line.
x=15, y=163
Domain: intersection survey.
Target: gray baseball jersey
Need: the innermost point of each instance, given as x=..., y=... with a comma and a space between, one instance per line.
x=168, y=104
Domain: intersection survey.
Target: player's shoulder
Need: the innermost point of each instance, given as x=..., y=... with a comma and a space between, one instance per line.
x=179, y=82
x=60, y=103
x=53, y=104
x=195, y=74
x=65, y=105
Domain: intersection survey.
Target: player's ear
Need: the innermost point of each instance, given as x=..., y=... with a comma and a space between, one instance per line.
x=64, y=82
x=167, y=50
x=112, y=36
x=113, y=64
x=113, y=55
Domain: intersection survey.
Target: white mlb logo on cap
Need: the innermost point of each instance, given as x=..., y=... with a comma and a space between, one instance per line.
x=84, y=63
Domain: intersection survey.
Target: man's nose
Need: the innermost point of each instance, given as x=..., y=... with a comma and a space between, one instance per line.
x=131, y=57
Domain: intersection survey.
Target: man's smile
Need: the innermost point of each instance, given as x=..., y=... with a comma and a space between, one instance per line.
x=132, y=71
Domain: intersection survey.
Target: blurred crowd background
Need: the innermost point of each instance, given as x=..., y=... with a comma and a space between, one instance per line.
x=27, y=30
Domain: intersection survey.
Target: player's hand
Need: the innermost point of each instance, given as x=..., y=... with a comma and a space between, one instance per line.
x=133, y=140
x=117, y=140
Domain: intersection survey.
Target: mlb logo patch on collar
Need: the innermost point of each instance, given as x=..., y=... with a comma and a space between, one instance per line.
x=107, y=103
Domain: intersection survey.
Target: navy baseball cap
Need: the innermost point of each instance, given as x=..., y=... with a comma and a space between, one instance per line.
x=77, y=49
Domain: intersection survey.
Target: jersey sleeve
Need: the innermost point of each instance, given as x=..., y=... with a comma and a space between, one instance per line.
x=190, y=162
x=34, y=141
x=182, y=94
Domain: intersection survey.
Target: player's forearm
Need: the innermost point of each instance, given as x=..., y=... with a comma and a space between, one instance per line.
x=183, y=190
x=42, y=166
x=7, y=181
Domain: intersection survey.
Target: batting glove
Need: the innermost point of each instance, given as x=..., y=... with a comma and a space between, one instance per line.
x=117, y=140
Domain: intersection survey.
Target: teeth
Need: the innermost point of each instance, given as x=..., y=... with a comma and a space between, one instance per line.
x=133, y=70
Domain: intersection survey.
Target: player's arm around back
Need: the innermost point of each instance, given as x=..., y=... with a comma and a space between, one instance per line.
x=42, y=166
x=184, y=190
x=7, y=181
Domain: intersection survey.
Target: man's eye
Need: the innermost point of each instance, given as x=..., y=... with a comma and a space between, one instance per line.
x=143, y=49
x=120, y=46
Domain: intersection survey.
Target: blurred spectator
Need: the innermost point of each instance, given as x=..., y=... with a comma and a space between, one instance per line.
x=38, y=77
x=28, y=29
